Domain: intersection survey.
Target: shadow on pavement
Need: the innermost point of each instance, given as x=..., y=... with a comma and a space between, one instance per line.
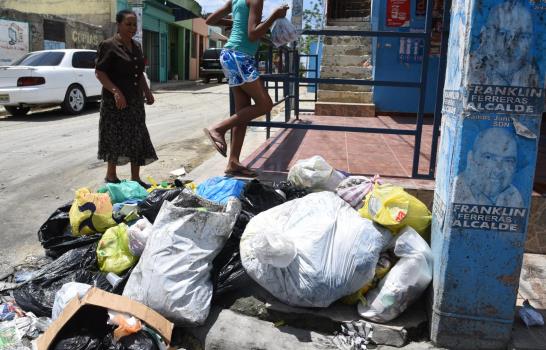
x=51, y=114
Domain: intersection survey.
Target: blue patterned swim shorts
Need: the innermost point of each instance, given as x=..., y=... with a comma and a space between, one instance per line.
x=239, y=68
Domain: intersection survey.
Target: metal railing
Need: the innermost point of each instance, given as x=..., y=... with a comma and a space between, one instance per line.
x=292, y=78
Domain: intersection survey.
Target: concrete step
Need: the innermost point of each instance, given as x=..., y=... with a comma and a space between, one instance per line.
x=344, y=61
x=347, y=40
x=345, y=109
x=350, y=72
x=345, y=88
x=350, y=50
x=363, y=25
x=345, y=96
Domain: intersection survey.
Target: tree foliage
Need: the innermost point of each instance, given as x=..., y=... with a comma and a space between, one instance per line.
x=313, y=18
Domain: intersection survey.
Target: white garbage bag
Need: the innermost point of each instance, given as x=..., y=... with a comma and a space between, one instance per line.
x=283, y=32
x=405, y=282
x=173, y=274
x=67, y=292
x=314, y=174
x=138, y=235
x=313, y=250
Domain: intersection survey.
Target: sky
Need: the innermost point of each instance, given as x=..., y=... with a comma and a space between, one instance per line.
x=269, y=5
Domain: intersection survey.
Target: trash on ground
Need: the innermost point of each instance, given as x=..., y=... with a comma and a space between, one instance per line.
x=314, y=174
x=220, y=189
x=68, y=292
x=312, y=251
x=404, y=283
x=83, y=323
x=178, y=172
x=126, y=324
x=138, y=236
x=90, y=213
x=354, y=188
x=356, y=335
x=125, y=211
x=394, y=208
x=289, y=191
x=113, y=253
x=55, y=234
x=173, y=274
x=124, y=191
x=77, y=265
x=530, y=316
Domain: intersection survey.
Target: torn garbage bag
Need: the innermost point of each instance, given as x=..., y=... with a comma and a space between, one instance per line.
x=312, y=251
x=173, y=274
x=315, y=174
x=55, y=234
x=149, y=208
x=405, y=282
x=76, y=265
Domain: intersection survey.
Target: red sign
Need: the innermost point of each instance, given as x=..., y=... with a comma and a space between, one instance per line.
x=398, y=13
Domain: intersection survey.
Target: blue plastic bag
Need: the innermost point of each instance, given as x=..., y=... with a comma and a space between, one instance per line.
x=124, y=191
x=219, y=189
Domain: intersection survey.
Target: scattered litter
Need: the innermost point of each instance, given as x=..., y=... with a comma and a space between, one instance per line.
x=68, y=292
x=356, y=335
x=126, y=324
x=178, y=172
x=530, y=316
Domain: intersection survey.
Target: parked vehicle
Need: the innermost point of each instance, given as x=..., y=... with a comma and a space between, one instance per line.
x=210, y=65
x=50, y=77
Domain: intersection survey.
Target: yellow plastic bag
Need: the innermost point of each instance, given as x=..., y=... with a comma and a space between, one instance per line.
x=383, y=267
x=113, y=254
x=394, y=208
x=90, y=213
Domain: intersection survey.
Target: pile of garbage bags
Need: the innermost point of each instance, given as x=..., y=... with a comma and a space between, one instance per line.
x=318, y=238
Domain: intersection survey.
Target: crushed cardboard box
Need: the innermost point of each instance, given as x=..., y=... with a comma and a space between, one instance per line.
x=100, y=298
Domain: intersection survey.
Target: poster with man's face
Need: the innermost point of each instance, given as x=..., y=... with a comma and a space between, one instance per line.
x=499, y=65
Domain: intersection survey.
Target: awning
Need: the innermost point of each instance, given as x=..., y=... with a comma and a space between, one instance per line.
x=184, y=9
x=217, y=36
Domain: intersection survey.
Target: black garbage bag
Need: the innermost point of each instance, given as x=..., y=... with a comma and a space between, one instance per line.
x=138, y=341
x=77, y=265
x=228, y=272
x=258, y=197
x=149, y=208
x=55, y=234
x=290, y=190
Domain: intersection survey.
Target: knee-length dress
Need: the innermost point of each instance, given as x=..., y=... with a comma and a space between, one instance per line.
x=123, y=135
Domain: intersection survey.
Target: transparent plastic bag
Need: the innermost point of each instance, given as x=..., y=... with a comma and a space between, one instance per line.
x=283, y=32
x=138, y=236
x=314, y=174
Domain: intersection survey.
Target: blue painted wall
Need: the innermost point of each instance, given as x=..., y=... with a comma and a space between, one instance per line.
x=315, y=49
x=386, y=66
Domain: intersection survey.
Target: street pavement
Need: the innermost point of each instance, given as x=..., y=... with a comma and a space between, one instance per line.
x=47, y=155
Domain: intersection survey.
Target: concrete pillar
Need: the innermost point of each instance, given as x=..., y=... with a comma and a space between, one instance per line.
x=493, y=102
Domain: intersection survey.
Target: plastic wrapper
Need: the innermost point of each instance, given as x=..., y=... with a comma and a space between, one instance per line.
x=353, y=189
x=149, y=208
x=394, y=208
x=124, y=191
x=55, y=234
x=336, y=250
x=283, y=32
x=68, y=292
x=220, y=189
x=113, y=253
x=404, y=283
x=138, y=236
x=90, y=213
x=314, y=174
x=530, y=316
x=173, y=274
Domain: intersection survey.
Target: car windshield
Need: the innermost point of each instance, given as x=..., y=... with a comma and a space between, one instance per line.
x=211, y=54
x=35, y=59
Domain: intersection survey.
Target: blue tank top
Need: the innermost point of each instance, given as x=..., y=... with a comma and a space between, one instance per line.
x=238, y=40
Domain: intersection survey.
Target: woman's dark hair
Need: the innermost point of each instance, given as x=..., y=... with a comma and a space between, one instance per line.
x=121, y=15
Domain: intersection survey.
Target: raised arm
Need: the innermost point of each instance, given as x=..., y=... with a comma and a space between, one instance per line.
x=217, y=17
x=256, y=28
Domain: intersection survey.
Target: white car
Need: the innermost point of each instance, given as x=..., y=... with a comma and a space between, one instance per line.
x=50, y=77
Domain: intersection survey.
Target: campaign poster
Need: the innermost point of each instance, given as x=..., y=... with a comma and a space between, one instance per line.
x=14, y=41
x=398, y=13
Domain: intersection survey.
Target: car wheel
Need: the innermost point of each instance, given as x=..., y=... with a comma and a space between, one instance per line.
x=206, y=80
x=17, y=111
x=74, y=100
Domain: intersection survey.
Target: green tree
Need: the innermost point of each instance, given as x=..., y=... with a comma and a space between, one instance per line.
x=313, y=18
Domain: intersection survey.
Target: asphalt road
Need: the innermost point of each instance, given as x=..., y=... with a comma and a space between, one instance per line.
x=46, y=156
